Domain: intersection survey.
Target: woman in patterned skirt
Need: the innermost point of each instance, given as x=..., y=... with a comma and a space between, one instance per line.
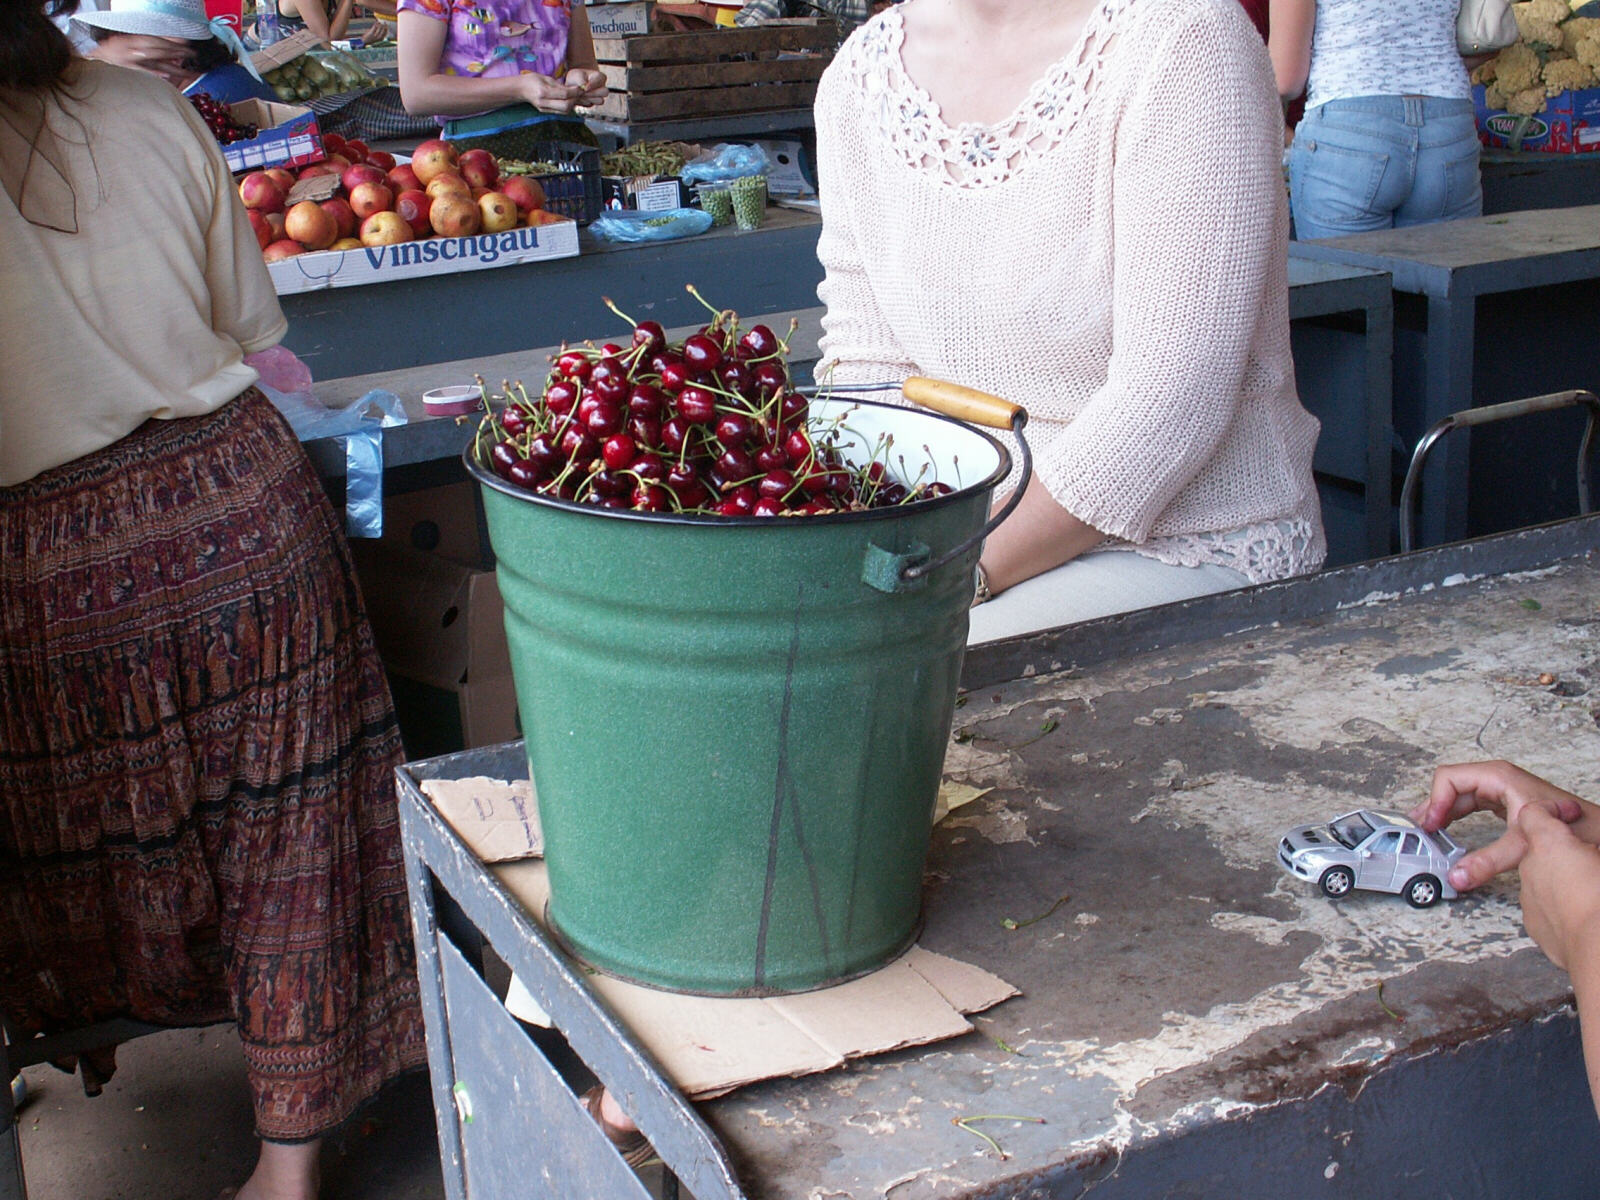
x=197, y=746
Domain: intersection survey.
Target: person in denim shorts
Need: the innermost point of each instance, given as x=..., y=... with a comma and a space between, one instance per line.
x=1389, y=137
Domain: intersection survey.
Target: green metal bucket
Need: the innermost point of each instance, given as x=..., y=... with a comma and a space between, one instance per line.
x=736, y=727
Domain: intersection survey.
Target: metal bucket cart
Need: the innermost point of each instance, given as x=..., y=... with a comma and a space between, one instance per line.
x=1192, y=1020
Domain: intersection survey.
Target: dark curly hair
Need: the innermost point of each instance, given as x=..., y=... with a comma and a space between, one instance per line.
x=34, y=54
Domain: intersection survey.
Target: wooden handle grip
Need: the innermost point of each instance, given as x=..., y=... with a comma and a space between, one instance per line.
x=962, y=403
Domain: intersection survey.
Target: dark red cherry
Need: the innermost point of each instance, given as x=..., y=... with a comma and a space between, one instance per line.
x=734, y=430
x=513, y=420
x=501, y=456
x=524, y=474
x=760, y=341
x=649, y=334
x=561, y=396
x=574, y=364
x=696, y=404
x=701, y=352
x=619, y=452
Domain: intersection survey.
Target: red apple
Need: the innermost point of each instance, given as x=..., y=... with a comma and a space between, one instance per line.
x=381, y=159
x=275, y=223
x=345, y=219
x=356, y=174
x=403, y=179
x=369, y=198
x=525, y=193
x=338, y=162
x=258, y=223
x=332, y=143
x=346, y=243
x=309, y=225
x=282, y=249
x=414, y=207
x=447, y=183
x=315, y=169
x=543, y=216
x=499, y=212
x=385, y=229
x=259, y=192
x=280, y=176
x=454, y=216
x=431, y=158
x=478, y=168
x=355, y=150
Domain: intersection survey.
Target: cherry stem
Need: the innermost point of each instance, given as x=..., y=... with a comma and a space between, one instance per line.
x=607, y=301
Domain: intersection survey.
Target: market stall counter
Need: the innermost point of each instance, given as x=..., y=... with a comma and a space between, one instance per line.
x=1192, y=1020
x=1489, y=309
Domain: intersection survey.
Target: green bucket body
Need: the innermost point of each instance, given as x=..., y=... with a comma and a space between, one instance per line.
x=736, y=741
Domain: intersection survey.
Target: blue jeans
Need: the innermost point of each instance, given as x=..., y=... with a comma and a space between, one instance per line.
x=1379, y=162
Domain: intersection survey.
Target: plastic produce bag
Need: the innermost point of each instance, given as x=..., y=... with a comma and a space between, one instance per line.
x=286, y=381
x=630, y=226
x=727, y=161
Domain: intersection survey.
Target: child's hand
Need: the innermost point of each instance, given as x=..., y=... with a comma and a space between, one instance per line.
x=1500, y=788
x=1560, y=887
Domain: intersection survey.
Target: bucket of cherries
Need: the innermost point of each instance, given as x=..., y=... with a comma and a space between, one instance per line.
x=736, y=616
x=706, y=427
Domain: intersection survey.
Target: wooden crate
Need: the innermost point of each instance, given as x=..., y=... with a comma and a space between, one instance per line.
x=717, y=72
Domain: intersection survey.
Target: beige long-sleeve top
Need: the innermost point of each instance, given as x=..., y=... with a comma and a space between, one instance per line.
x=1112, y=257
x=149, y=309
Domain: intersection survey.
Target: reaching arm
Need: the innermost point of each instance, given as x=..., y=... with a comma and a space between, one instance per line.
x=1561, y=909
x=1291, y=23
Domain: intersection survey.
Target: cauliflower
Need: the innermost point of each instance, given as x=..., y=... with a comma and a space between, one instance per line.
x=1566, y=74
x=1527, y=102
x=1587, y=49
x=1484, y=74
x=1516, y=68
x=1575, y=30
x=1554, y=11
x=1536, y=30
x=1493, y=98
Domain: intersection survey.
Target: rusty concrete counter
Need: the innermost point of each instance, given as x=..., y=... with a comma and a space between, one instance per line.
x=1193, y=1022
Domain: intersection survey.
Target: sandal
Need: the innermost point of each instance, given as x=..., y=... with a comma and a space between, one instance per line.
x=634, y=1147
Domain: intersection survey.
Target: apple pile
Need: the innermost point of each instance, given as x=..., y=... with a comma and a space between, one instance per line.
x=709, y=425
x=378, y=202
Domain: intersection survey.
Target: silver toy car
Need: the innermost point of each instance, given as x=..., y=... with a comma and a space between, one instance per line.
x=1374, y=849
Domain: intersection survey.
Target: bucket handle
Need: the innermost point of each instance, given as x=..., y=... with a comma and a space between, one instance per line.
x=977, y=408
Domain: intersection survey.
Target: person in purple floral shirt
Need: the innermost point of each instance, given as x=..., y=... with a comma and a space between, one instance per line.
x=489, y=67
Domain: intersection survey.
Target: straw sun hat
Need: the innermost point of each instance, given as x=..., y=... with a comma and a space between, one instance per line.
x=184, y=19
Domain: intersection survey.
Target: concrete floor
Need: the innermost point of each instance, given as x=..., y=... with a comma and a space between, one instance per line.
x=174, y=1124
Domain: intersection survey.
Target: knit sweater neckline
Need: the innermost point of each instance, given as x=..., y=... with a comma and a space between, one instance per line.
x=973, y=154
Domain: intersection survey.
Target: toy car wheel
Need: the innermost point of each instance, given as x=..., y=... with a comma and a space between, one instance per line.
x=1337, y=881
x=1423, y=891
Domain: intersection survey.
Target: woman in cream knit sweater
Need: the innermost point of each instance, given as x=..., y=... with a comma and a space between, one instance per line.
x=1079, y=206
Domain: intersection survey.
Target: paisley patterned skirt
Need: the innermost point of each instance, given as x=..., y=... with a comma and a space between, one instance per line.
x=197, y=753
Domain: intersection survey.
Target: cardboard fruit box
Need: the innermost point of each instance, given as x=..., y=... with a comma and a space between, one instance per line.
x=440, y=629
x=426, y=256
x=1570, y=124
x=288, y=136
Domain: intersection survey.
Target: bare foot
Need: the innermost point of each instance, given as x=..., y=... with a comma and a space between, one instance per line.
x=285, y=1171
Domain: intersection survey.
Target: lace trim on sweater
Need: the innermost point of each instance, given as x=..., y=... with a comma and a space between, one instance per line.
x=1261, y=553
x=973, y=155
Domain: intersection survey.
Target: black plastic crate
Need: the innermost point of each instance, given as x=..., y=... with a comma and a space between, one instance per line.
x=574, y=189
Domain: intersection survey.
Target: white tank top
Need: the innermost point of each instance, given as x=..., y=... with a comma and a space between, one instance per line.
x=1385, y=48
